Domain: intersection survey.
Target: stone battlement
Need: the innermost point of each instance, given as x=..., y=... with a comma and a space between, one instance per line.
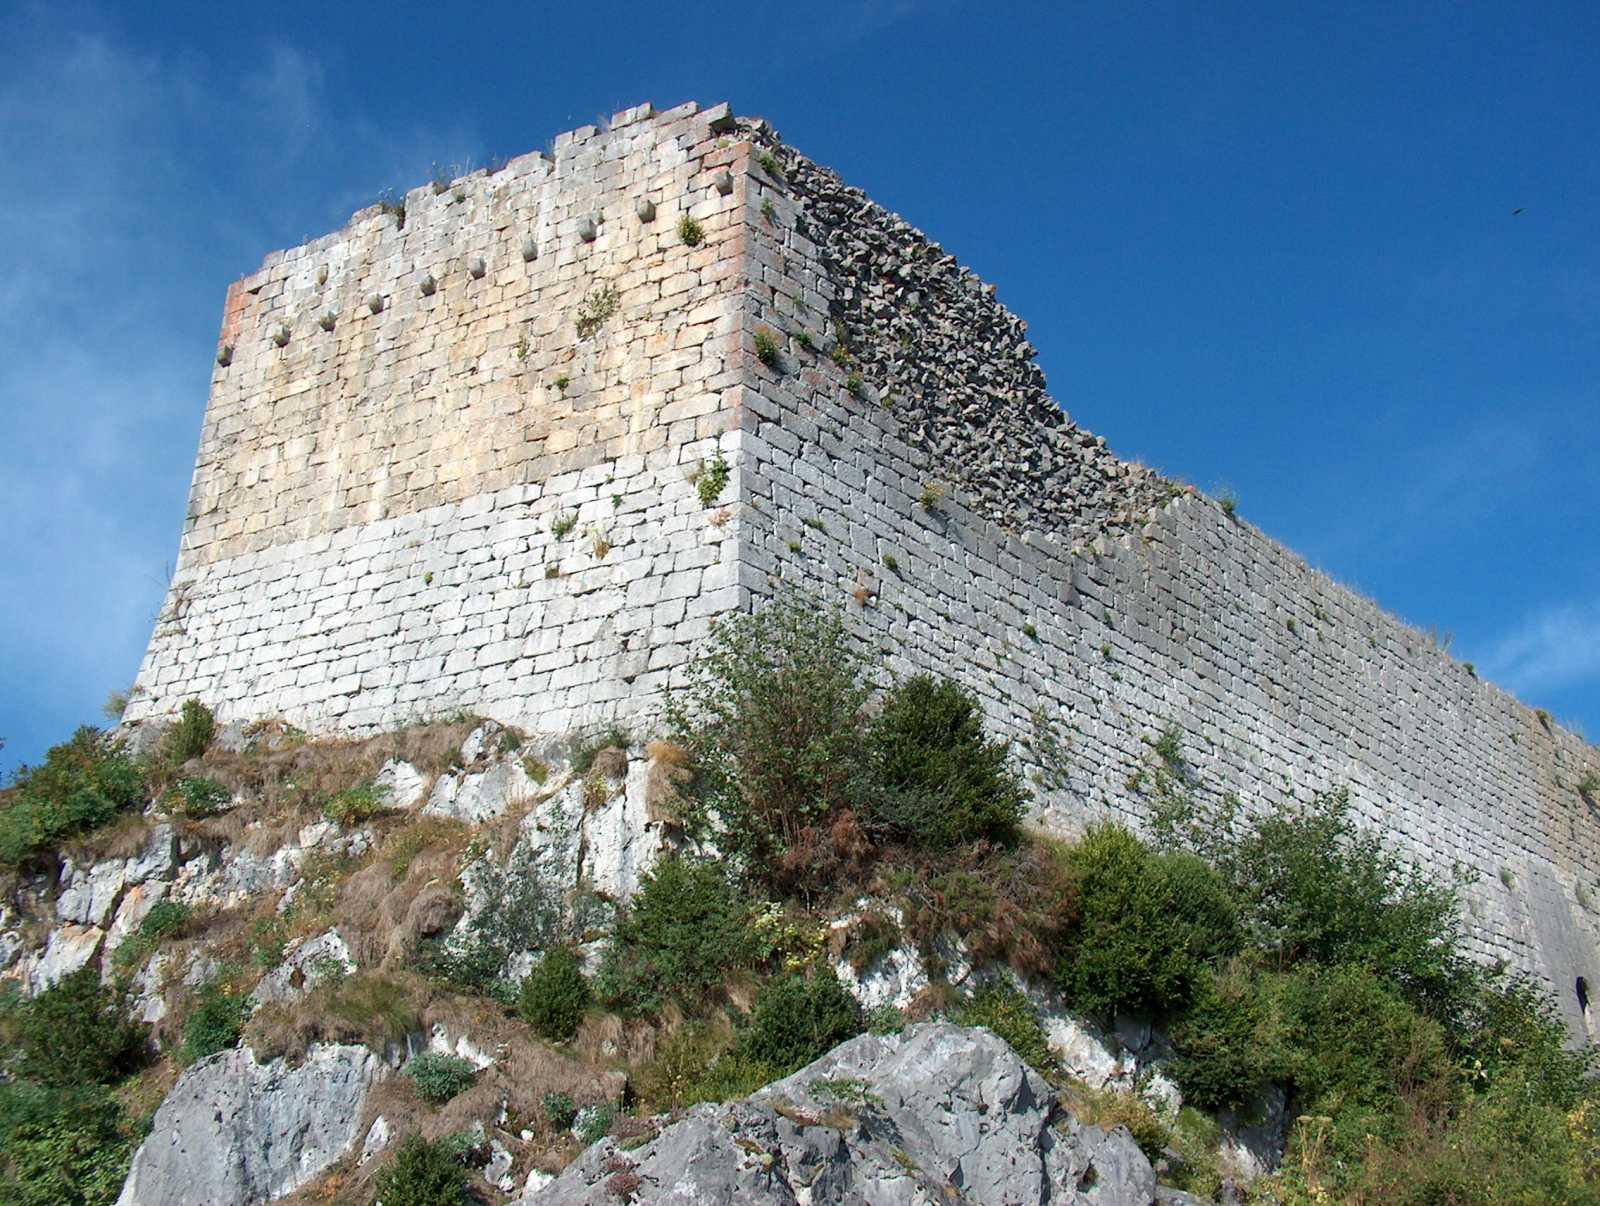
x=509, y=445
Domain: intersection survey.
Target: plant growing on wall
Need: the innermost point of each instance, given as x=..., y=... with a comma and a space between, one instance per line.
x=562, y=522
x=767, y=347
x=690, y=232
x=600, y=304
x=713, y=479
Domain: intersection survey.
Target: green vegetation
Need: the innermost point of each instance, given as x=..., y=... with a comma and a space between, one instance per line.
x=82, y=784
x=682, y=933
x=165, y=918
x=690, y=232
x=423, y=1172
x=598, y=305
x=940, y=782
x=796, y=1020
x=559, y=1110
x=1002, y=1008
x=554, y=995
x=767, y=347
x=215, y=1023
x=439, y=1077
x=190, y=736
x=713, y=479
x=355, y=805
x=196, y=798
x=64, y=1136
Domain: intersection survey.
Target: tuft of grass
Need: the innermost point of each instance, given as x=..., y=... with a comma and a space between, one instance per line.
x=853, y=385
x=767, y=347
x=769, y=211
x=769, y=164
x=562, y=522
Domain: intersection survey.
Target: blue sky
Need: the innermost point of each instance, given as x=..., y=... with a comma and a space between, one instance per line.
x=1265, y=246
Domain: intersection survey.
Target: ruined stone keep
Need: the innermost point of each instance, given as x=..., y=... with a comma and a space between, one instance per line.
x=510, y=444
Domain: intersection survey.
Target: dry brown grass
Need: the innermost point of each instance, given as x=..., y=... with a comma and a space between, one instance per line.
x=122, y=838
x=283, y=780
x=665, y=777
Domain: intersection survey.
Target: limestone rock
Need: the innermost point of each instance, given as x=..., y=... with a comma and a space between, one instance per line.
x=70, y=947
x=894, y=1119
x=402, y=785
x=236, y=1131
x=324, y=955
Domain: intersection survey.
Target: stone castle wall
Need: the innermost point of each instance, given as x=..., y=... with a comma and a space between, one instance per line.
x=378, y=528
x=370, y=538
x=967, y=558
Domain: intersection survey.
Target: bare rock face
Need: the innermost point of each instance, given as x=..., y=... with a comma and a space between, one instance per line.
x=236, y=1131
x=938, y=1113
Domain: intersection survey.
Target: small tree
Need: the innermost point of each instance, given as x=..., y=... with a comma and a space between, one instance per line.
x=943, y=783
x=422, y=1173
x=773, y=718
x=555, y=995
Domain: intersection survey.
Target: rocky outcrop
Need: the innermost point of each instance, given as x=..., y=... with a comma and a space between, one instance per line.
x=239, y=1132
x=936, y=1114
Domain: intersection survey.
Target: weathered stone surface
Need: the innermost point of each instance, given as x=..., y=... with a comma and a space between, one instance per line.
x=236, y=1131
x=316, y=958
x=69, y=948
x=908, y=1118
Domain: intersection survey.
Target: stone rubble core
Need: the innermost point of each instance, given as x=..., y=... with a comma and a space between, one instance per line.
x=529, y=492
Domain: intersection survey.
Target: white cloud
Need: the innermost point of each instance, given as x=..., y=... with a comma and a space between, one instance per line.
x=1552, y=648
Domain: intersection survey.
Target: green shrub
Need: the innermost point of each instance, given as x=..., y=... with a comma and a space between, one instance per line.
x=1311, y=886
x=190, y=735
x=1148, y=925
x=1359, y=1052
x=82, y=784
x=690, y=231
x=559, y=1110
x=772, y=717
x=593, y=1123
x=944, y=784
x=77, y=1032
x=165, y=918
x=684, y=930
x=357, y=804
x=796, y=1020
x=196, y=799
x=62, y=1146
x=1230, y=1041
x=1512, y=1030
x=555, y=995
x=1000, y=1006
x=439, y=1076
x=422, y=1173
x=216, y=1023
x=885, y=1019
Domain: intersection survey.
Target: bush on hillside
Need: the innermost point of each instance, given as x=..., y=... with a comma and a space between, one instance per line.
x=77, y=1032
x=190, y=735
x=555, y=995
x=215, y=1024
x=440, y=1076
x=423, y=1172
x=940, y=782
x=62, y=1145
x=1230, y=1042
x=82, y=784
x=796, y=1020
x=196, y=798
x=1311, y=886
x=1149, y=924
x=1001, y=1007
x=773, y=719
x=684, y=930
